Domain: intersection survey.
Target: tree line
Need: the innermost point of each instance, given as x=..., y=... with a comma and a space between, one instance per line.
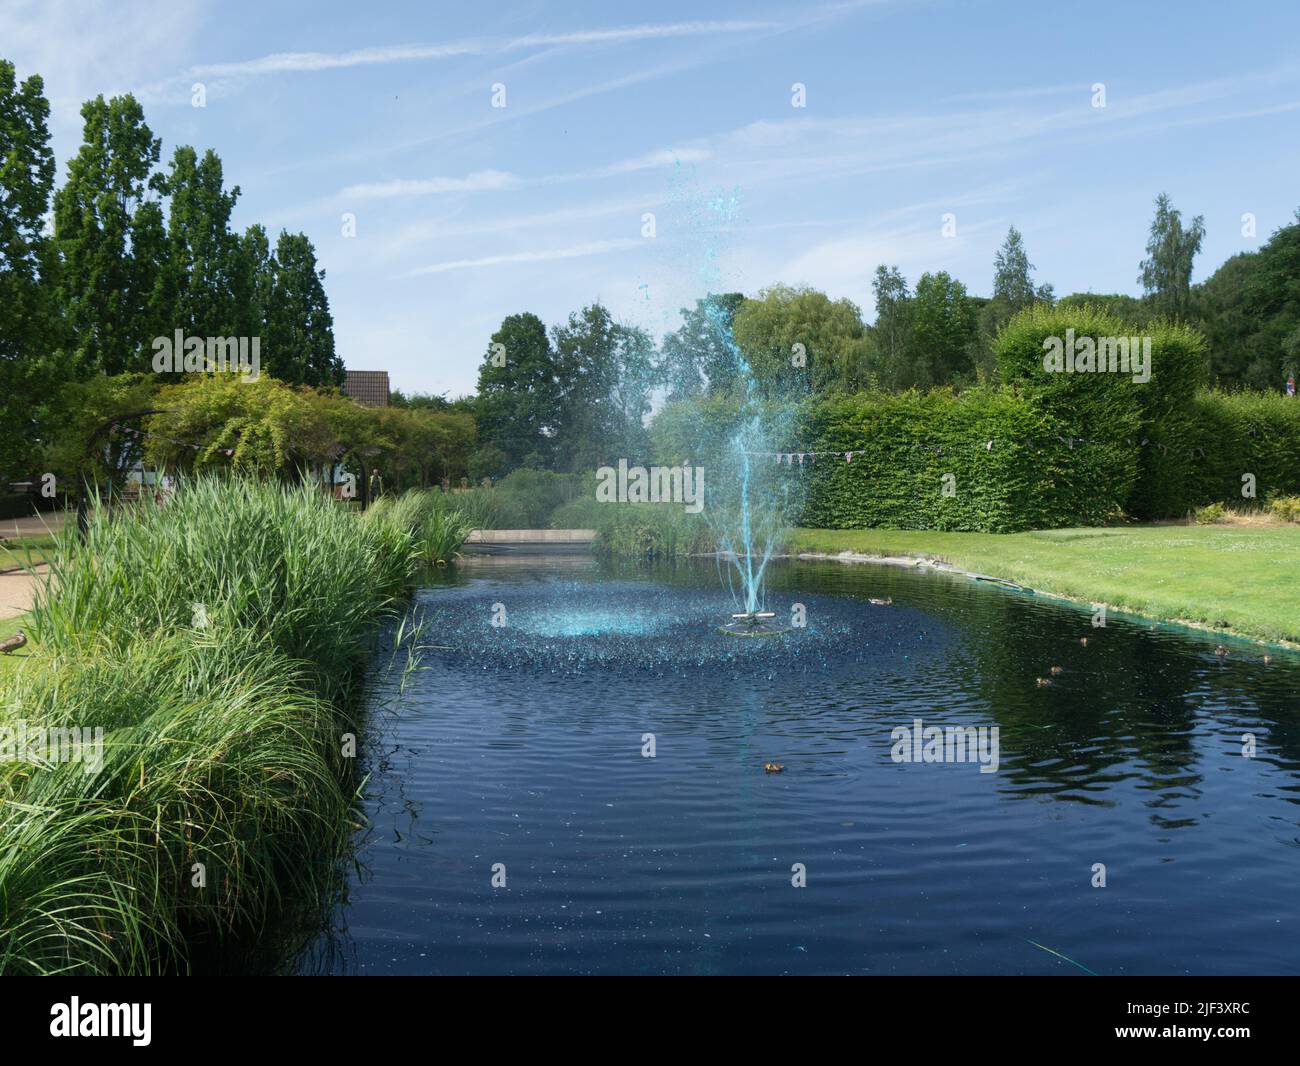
x=572, y=397
x=126, y=250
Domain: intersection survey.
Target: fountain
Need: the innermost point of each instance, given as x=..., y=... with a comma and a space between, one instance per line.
x=750, y=499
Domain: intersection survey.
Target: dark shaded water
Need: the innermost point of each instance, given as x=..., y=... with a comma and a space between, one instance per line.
x=523, y=745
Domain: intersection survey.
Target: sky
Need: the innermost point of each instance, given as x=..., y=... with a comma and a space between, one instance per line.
x=383, y=113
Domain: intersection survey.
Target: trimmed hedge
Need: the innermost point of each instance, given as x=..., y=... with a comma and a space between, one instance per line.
x=1032, y=478
x=1167, y=408
x=1044, y=449
x=1013, y=465
x=1242, y=433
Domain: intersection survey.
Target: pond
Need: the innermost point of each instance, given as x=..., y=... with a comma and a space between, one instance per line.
x=581, y=788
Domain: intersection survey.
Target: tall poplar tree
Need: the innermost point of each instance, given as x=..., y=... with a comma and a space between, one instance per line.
x=298, y=346
x=202, y=252
x=28, y=329
x=108, y=230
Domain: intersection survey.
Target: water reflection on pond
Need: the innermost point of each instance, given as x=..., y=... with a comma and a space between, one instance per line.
x=523, y=745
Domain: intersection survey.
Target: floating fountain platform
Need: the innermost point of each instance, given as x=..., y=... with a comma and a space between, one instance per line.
x=753, y=624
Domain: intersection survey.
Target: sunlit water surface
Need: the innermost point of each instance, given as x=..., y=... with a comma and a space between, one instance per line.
x=523, y=744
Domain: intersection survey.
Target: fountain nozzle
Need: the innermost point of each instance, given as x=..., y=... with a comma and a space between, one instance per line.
x=751, y=624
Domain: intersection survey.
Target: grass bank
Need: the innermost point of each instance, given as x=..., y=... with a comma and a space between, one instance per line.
x=1241, y=579
x=218, y=643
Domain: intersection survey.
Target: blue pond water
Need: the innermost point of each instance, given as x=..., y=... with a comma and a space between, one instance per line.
x=522, y=745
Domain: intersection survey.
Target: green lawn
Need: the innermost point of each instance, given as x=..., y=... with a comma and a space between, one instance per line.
x=1245, y=579
x=25, y=552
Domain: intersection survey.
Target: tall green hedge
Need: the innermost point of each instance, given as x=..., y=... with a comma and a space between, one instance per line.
x=1013, y=465
x=1240, y=433
x=1043, y=449
x=1155, y=419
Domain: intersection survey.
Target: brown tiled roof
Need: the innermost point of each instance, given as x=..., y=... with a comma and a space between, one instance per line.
x=367, y=387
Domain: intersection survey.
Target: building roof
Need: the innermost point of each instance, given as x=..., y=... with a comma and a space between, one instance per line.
x=367, y=387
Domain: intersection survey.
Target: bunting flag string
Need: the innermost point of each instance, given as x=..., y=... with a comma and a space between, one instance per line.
x=795, y=458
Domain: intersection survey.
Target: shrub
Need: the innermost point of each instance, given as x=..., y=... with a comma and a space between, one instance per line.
x=216, y=751
x=1104, y=409
x=1168, y=412
x=1286, y=508
x=490, y=509
x=1210, y=514
x=583, y=513
x=638, y=530
x=537, y=493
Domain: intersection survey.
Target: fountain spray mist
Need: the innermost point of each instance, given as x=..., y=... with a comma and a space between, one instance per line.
x=752, y=497
x=733, y=427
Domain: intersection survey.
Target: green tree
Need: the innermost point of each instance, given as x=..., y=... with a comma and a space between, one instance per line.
x=298, y=345
x=701, y=353
x=1129, y=308
x=28, y=327
x=606, y=371
x=943, y=329
x=519, y=395
x=798, y=340
x=252, y=279
x=1013, y=280
x=79, y=444
x=427, y=445
x=218, y=421
x=417, y=401
x=202, y=252
x=892, y=326
x=1167, y=270
x=109, y=236
x=1250, y=311
x=1013, y=290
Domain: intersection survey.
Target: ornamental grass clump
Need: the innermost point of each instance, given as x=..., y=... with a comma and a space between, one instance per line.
x=236, y=556
x=213, y=647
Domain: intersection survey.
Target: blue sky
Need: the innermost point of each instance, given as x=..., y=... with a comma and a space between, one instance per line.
x=466, y=213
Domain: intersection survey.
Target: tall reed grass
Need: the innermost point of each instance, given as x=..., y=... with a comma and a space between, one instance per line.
x=638, y=530
x=436, y=526
x=217, y=641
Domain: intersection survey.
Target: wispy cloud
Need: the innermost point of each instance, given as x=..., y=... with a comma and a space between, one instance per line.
x=668, y=157
x=479, y=181
x=574, y=252
x=491, y=180
x=384, y=55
